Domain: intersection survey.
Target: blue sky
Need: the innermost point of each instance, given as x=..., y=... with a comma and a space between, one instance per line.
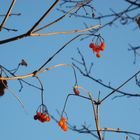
x=114, y=66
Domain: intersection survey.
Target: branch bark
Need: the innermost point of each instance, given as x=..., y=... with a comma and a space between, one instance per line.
x=7, y=15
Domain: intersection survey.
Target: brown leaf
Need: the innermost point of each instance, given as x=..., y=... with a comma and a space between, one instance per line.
x=23, y=63
x=1, y=92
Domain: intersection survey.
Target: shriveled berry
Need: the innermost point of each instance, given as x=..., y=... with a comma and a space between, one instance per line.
x=1, y=92
x=35, y=117
x=76, y=91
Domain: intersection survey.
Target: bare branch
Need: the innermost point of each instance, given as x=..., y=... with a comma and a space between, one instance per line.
x=7, y=15
x=120, y=86
x=58, y=19
x=45, y=14
x=67, y=32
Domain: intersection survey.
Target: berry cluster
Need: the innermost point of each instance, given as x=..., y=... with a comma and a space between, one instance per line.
x=42, y=114
x=42, y=117
x=63, y=124
x=97, y=48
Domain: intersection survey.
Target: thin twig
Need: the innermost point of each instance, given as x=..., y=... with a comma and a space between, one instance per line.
x=7, y=15
x=67, y=32
x=58, y=52
x=58, y=19
x=45, y=14
x=13, y=93
x=96, y=117
x=120, y=86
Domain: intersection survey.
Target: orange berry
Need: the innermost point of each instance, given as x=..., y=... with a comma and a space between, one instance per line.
x=95, y=48
x=98, y=55
x=60, y=123
x=41, y=120
x=102, y=46
x=64, y=119
x=48, y=118
x=43, y=117
x=65, y=127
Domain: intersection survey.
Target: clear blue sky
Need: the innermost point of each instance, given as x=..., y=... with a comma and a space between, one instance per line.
x=114, y=66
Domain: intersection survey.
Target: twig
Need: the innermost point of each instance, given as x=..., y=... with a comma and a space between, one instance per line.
x=32, y=74
x=31, y=32
x=114, y=131
x=119, y=86
x=86, y=74
x=58, y=52
x=45, y=14
x=67, y=32
x=7, y=15
x=12, y=92
x=12, y=14
x=58, y=19
x=96, y=117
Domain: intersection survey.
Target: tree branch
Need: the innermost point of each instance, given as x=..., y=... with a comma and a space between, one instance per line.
x=7, y=15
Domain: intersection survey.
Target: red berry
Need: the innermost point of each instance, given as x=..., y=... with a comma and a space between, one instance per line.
x=97, y=49
x=98, y=55
x=91, y=45
x=47, y=118
x=43, y=117
x=76, y=91
x=102, y=46
x=38, y=114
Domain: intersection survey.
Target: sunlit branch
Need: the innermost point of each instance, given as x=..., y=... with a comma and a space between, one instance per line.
x=46, y=13
x=32, y=74
x=96, y=116
x=4, y=70
x=7, y=15
x=31, y=32
x=58, y=52
x=67, y=32
x=58, y=19
x=95, y=110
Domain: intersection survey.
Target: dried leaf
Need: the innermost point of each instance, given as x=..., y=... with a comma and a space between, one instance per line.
x=23, y=63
